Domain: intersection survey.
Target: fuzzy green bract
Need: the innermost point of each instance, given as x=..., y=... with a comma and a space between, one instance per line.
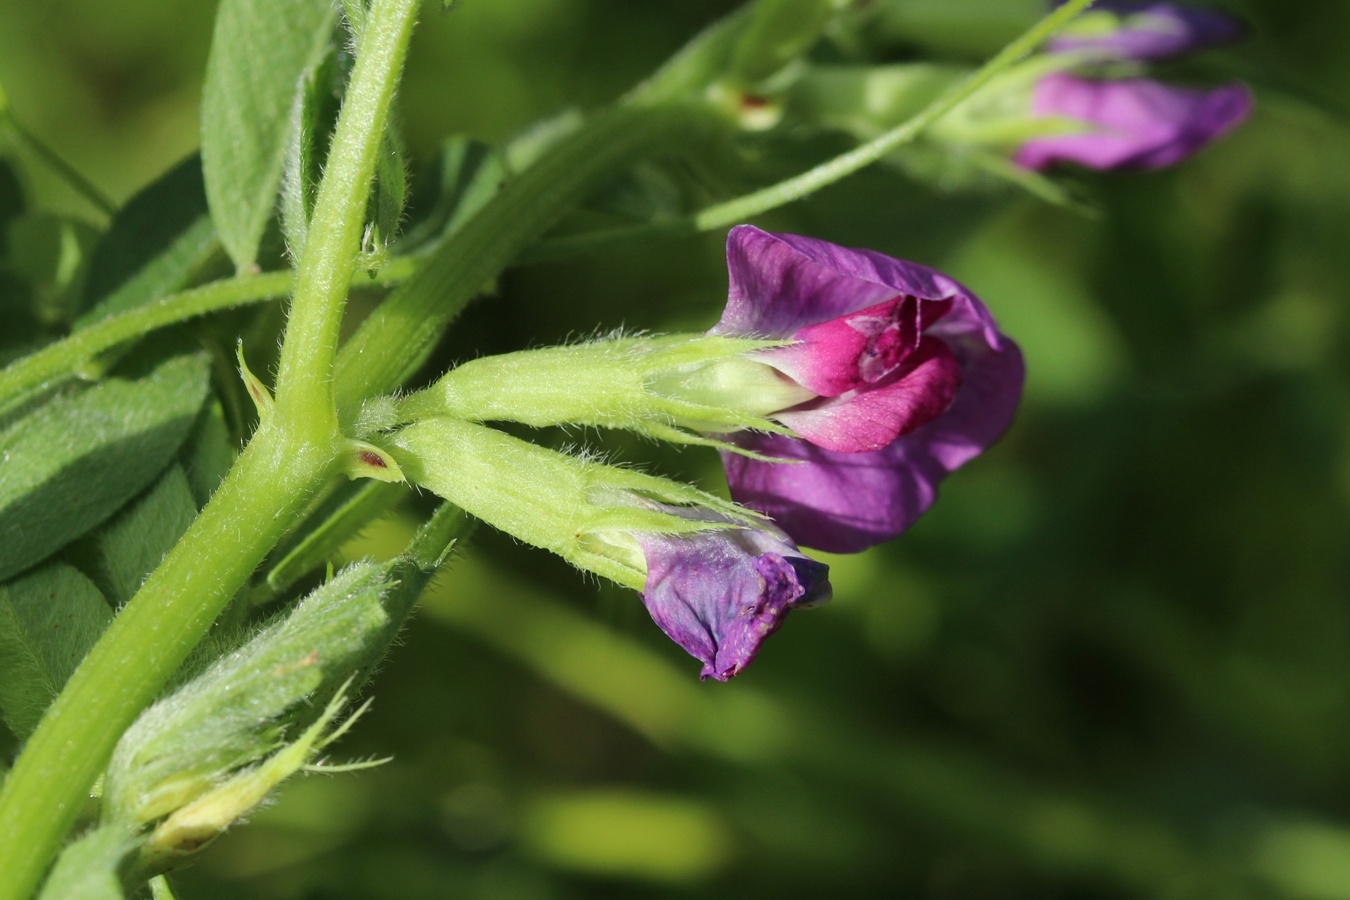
x=236, y=712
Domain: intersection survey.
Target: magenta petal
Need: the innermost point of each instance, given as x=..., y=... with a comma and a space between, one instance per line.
x=864, y=485
x=846, y=502
x=720, y=594
x=859, y=349
x=871, y=418
x=781, y=283
x=1135, y=123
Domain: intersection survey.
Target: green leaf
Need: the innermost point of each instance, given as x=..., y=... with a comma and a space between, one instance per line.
x=22, y=329
x=88, y=868
x=389, y=192
x=12, y=205
x=48, y=621
x=49, y=253
x=866, y=101
x=313, y=118
x=208, y=453
x=645, y=193
x=130, y=546
x=259, y=51
x=153, y=247
x=73, y=462
x=336, y=521
x=464, y=175
x=538, y=138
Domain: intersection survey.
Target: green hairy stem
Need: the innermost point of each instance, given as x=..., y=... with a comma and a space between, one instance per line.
x=293, y=453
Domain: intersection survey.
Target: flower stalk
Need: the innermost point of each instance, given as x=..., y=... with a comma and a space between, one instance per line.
x=397, y=337
x=304, y=376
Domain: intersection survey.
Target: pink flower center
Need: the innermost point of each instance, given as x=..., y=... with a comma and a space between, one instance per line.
x=860, y=349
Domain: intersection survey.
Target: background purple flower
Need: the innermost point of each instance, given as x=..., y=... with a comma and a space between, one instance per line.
x=719, y=594
x=782, y=285
x=1132, y=123
x=1152, y=31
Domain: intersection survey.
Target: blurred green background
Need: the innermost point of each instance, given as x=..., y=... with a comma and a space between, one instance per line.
x=1113, y=661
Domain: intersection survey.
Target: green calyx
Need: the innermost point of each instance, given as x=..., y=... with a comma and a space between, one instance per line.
x=1001, y=116
x=675, y=388
x=585, y=511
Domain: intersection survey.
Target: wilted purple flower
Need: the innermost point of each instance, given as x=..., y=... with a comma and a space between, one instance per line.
x=1131, y=123
x=1142, y=30
x=719, y=594
x=912, y=376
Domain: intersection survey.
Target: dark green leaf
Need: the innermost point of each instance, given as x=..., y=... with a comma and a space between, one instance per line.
x=536, y=139
x=12, y=205
x=208, y=454
x=22, y=333
x=49, y=253
x=462, y=177
x=73, y=462
x=340, y=518
x=48, y=622
x=259, y=52
x=645, y=193
x=154, y=245
x=390, y=189
x=130, y=546
x=312, y=120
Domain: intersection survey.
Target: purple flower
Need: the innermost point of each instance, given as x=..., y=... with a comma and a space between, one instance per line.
x=912, y=376
x=1147, y=30
x=1134, y=123
x=719, y=594
x=1131, y=123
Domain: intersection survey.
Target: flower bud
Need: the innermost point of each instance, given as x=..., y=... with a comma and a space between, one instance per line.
x=668, y=388
x=716, y=578
x=1130, y=123
x=210, y=751
x=1081, y=101
x=1145, y=30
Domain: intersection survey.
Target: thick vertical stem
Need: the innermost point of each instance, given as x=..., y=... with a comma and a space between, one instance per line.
x=130, y=664
x=304, y=379
x=293, y=453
